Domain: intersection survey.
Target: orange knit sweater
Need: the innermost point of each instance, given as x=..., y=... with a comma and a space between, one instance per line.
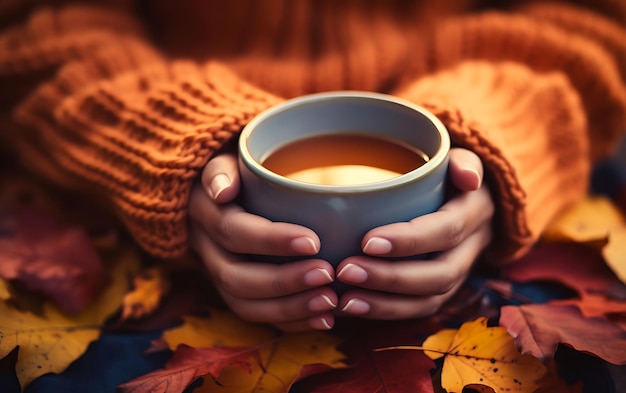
x=128, y=102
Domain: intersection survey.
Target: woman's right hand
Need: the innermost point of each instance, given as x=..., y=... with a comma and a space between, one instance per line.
x=293, y=296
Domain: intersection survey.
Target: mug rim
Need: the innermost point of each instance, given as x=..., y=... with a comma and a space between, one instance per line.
x=436, y=160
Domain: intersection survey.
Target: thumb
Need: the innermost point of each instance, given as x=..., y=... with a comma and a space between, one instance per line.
x=465, y=169
x=220, y=178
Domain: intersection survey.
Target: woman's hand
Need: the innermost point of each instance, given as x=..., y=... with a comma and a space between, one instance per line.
x=293, y=296
x=459, y=230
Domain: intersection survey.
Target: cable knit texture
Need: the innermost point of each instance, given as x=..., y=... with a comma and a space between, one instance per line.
x=128, y=103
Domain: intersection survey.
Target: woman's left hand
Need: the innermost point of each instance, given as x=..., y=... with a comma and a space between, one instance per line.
x=459, y=231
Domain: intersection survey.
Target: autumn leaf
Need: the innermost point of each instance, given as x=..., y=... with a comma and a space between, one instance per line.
x=596, y=221
x=614, y=252
x=187, y=364
x=588, y=221
x=479, y=356
x=46, y=257
x=149, y=287
x=4, y=290
x=370, y=370
x=221, y=329
x=577, y=266
x=281, y=356
x=51, y=342
x=539, y=328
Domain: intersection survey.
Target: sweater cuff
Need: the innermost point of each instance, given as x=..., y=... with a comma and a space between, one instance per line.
x=529, y=130
x=140, y=139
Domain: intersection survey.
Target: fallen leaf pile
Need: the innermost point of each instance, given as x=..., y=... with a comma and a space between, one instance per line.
x=63, y=284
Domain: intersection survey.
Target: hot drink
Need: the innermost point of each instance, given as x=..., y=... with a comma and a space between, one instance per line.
x=344, y=159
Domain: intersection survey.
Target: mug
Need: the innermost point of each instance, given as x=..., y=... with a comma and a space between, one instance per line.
x=341, y=214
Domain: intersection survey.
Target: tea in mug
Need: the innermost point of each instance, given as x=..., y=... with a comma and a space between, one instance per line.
x=344, y=159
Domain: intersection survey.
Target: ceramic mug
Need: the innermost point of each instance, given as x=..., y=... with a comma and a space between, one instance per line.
x=342, y=214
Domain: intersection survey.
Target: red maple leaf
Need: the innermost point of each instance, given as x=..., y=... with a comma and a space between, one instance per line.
x=44, y=256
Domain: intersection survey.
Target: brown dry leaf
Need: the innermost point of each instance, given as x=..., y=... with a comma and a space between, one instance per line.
x=484, y=358
x=149, y=287
x=51, y=342
x=589, y=221
x=281, y=356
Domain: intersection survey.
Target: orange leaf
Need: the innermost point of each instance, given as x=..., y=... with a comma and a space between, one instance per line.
x=150, y=286
x=479, y=355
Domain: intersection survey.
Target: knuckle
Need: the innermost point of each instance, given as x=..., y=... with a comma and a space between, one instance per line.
x=227, y=282
x=447, y=282
x=454, y=231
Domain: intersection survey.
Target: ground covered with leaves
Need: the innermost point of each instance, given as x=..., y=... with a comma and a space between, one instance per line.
x=83, y=310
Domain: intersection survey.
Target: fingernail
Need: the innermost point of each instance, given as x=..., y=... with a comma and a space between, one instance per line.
x=321, y=323
x=470, y=169
x=353, y=274
x=377, y=246
x=219, y=183
x=356, y=307
x=317, y=277
x=321, y=303
x=304, y=245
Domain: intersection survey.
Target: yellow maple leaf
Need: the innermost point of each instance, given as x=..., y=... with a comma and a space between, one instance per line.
x=282, y=355
x=49, y=343
x=479, y=355
x=149, y=287
x=483, y=358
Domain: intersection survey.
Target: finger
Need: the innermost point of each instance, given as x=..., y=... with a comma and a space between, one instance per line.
x=416, y=277
x=245, y=233
x=385, y=306
x=324, y=321
x=284, y=310
x=220, y=178
x=238, y=278
x=465, y=169
x=441, y=230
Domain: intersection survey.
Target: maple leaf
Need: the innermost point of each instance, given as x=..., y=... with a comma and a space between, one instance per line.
x=281, y=356
x=57, y=261
x=187, y=364
x=596, y=221
x=49, y=343
x=539, y=328
x=149, y=287
x=478, y=356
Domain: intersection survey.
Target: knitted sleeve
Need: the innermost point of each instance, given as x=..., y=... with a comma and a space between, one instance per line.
x=118, y=120
x=538, y=102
